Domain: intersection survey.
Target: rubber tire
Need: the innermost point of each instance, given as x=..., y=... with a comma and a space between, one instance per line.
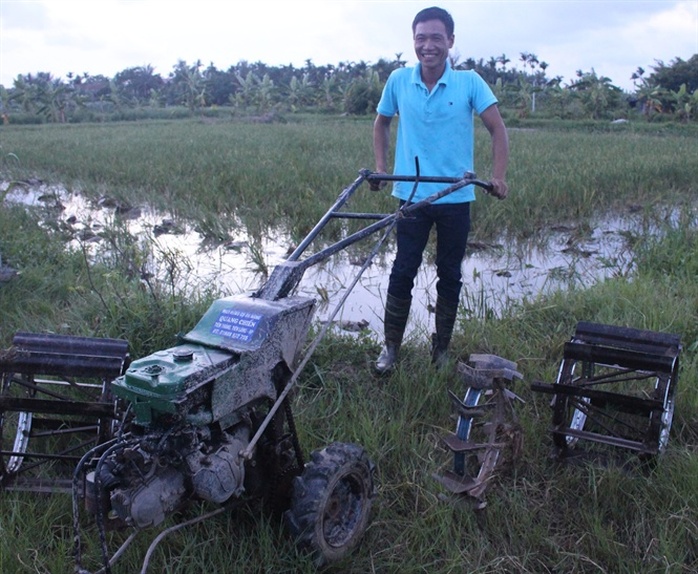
x=331, y=502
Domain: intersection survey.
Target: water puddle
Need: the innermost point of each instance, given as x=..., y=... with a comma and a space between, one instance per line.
x=495, y=276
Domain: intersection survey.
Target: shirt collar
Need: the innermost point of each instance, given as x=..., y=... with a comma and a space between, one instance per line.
x=417, y=74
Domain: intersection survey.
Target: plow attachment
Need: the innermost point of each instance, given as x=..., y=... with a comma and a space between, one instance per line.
x=55, y=404
x=488, y=434
x=616, y=387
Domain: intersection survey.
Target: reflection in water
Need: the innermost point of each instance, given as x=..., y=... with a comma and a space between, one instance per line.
x=494, y=278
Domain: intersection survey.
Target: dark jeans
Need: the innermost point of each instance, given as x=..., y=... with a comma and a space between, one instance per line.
x=452, y=226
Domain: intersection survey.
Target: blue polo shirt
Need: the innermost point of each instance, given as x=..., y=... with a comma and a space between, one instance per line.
x=436, y=127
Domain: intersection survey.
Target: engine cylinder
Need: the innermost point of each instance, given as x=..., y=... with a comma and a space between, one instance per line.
x=151, y=502
x=219, y=475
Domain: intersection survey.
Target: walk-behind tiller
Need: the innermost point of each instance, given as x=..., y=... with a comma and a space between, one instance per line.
x=208, y=419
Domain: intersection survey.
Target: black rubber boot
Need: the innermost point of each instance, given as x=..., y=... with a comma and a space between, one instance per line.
x=396, y=313
x=446, y=312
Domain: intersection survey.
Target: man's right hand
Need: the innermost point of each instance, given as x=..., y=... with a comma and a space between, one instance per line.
x=378, y=184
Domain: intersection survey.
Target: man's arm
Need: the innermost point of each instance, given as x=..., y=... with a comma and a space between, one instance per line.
x=500, y=149
x=381, y=143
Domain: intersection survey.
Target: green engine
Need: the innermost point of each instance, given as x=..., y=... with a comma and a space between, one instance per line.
x=223, y=365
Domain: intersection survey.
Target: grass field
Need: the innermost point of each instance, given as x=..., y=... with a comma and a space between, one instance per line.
x=541, y=517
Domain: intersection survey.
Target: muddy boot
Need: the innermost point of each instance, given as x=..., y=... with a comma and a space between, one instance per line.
x=394, y=323
x=446, y=312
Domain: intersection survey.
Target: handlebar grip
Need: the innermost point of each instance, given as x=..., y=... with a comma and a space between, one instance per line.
x=468, y=177
x=486, y=185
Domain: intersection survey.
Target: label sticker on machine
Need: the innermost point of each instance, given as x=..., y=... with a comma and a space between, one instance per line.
x=236, y=324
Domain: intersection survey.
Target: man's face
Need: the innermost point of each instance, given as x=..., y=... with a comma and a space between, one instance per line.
x=431, y=44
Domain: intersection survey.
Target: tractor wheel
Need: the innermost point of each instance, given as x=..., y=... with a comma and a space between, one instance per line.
x=331, y=502
x=570, y=412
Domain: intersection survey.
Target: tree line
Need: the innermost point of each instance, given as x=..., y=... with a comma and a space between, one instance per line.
x=668, y=91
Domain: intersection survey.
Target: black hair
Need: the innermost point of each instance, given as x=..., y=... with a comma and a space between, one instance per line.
x=434, y=13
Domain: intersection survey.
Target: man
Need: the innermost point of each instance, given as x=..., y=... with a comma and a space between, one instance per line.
x=436, y=105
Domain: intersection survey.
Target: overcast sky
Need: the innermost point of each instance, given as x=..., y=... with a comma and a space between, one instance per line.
x=613, y=37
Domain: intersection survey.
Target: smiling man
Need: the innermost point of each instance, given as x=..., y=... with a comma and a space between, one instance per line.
x=436, y=106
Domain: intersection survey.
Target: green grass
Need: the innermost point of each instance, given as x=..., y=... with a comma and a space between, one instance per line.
x=226, y=172
x=542, y=517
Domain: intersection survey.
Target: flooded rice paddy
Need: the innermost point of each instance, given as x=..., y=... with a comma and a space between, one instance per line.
x=495, y=276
